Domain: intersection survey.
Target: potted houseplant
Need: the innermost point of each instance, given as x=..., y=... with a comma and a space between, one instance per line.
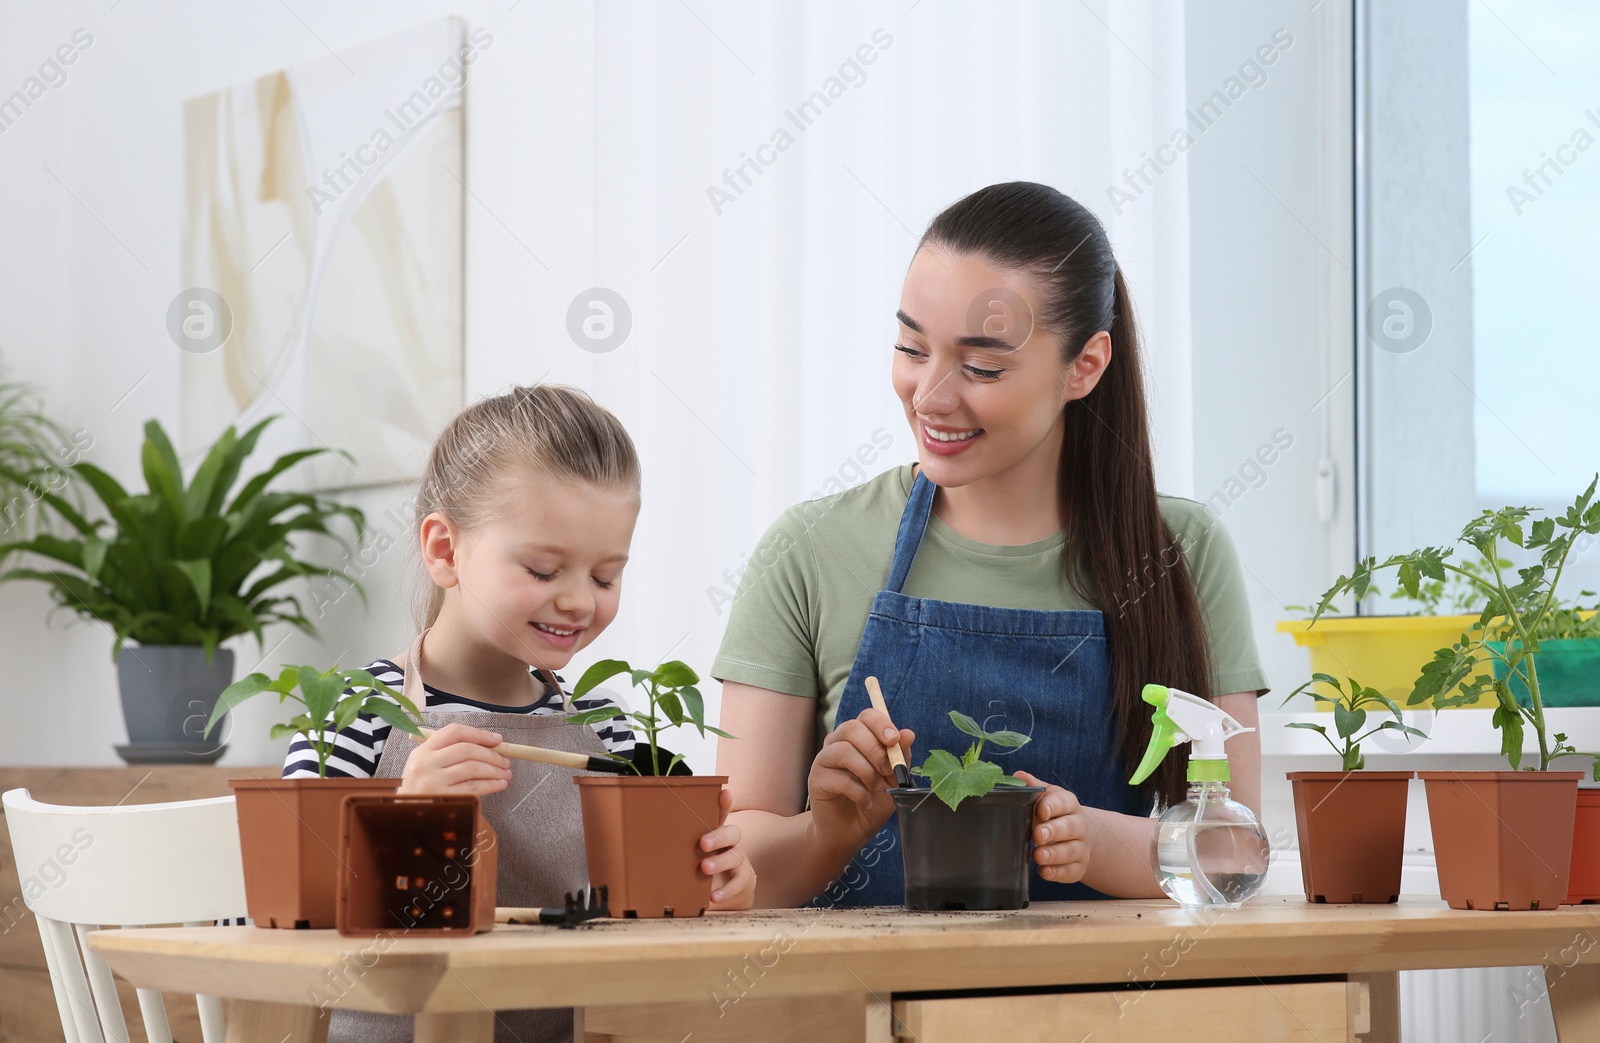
x=1351, y=822
x=36, y=455
x=1388, y=650
x=970, y=848
x=642, y=832
x=176, y=570
x=1569, y=656
x=1503, y=839
x=289, y=828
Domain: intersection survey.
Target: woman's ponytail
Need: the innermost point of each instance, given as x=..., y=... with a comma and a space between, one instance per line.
x=1119, y=552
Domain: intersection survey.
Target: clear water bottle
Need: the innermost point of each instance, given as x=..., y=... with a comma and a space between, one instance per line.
x=1209, y=850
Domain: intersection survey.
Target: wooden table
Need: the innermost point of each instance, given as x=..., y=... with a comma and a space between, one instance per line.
x=1276, y=969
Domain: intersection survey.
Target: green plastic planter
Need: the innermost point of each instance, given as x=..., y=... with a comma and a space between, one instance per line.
x=1569, y=672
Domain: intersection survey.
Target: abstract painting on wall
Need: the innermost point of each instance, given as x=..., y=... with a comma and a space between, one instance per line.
x=324, y=206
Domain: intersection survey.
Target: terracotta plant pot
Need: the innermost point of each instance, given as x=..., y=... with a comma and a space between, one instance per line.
x=642, y=837
x=1584, y=884
x=1503, y=839
x=424, y=865
x=289, y=837
x=1352, y=829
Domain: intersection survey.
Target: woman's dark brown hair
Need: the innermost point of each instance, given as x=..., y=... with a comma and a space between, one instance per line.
x=1119, y=553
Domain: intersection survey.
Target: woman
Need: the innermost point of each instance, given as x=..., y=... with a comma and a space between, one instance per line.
x=1024, y=571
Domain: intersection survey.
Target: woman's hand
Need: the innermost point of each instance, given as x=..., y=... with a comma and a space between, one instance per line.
x=1061, y=833
x=733, y=878
x=850, y=778
x=457, y=760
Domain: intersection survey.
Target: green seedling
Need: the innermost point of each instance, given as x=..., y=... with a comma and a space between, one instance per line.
x=673, y=701
x=332, y=701
x=1515, y=614
x=954, y=779
x=1350, y=715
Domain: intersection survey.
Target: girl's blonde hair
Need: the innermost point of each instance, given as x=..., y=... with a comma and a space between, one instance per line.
x=555, y=430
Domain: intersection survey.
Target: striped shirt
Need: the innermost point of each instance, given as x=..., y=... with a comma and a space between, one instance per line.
x=358, y=747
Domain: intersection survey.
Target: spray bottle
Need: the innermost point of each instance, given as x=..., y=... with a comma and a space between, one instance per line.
x=1210, y=850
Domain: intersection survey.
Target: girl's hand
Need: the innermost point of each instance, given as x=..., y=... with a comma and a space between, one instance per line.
x=457, y=760
x=733, y=878
x=1061, y=833
x=850, y=779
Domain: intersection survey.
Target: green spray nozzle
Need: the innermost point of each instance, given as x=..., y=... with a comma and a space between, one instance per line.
x=1181, y=717
x=1163, y=733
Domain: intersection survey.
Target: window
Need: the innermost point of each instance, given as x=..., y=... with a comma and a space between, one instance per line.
x=1478, y=246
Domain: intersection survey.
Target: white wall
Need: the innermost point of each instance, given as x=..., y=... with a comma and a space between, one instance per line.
x=591, y=133
x=1270, y=303
x=89, y=263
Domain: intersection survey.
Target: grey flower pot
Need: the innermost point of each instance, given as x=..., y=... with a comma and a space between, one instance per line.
x=168, y=692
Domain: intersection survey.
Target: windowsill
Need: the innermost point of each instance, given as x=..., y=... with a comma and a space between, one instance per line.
x=1452, y=733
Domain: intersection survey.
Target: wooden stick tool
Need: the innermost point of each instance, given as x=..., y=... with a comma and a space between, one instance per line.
x=897, y=757
x=560, y=758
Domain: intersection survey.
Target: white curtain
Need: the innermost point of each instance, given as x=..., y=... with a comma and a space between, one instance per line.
x=756, y=373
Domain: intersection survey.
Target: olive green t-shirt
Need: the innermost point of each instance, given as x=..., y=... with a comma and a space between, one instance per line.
x=804, y=598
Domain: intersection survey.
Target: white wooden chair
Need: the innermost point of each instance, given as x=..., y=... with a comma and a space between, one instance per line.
x=131, y=866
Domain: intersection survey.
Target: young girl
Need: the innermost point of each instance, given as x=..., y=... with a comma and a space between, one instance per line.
x=524, y=518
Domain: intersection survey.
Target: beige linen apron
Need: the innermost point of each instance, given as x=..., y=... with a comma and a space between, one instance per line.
x=541, y=854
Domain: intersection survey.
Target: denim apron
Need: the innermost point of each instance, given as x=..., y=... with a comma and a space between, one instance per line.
x=1043, y=673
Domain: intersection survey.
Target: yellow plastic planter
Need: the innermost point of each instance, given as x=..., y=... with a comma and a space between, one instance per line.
x=1382, y=652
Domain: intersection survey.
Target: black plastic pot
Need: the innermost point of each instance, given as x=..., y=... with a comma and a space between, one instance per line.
x=978, y=856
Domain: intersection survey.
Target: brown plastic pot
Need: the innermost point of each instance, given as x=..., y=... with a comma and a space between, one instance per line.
x=642, y=837
x=1352, y=827
x=1584, y=883
x=1502, y=839
x=289, y=837
x=423, y=865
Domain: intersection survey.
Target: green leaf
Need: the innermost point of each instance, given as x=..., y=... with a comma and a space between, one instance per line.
x=394, y=715
x=233, y=695
x=674, y=674
x=953, y=781
x=595, y=715
x=604, y=670
x=1010, y=740
x=321, y=692
x=198, y=495
x=672, y=707
x=107, y=488
x=94, y=556
x=695, y=705
x=1509, y=721
x=970, y=758
x=966, y=724
x=1406, y=729
x=345, y=713
x=199, y=573
x=161, y=468
x=1346, y=720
